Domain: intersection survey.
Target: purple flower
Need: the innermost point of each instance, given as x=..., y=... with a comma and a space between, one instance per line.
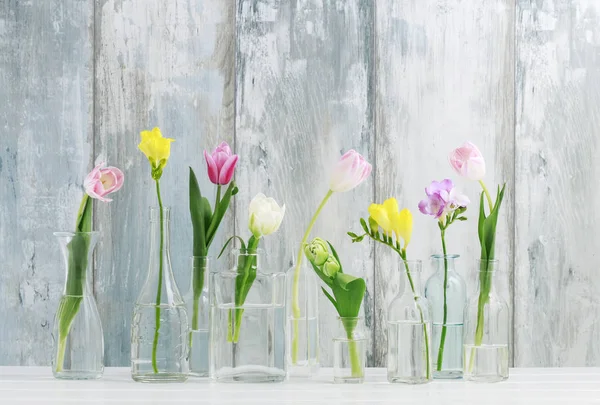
x=442, y=198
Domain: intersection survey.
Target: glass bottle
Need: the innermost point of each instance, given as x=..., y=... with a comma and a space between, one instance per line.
x=303, y=322
x=349, y=351
x=247, y=339
x=409, y=330
x=159, y=330
x=487, y=328
x=78, y=350
x=196, y=301
x=446, y=292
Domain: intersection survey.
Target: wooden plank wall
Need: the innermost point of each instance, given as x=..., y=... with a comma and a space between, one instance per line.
x=291, y=85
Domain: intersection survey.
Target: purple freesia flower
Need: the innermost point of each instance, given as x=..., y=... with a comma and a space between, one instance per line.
x=442, y=198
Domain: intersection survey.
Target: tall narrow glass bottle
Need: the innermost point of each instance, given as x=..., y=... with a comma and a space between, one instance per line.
x=409, y=330
x=447, y=294
x=486, y=333
x=78, y=352
x=159, y=330
x=198, y=310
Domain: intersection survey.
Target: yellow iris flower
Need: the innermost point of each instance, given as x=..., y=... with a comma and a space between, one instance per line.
x=157, y=149
x=390, y=219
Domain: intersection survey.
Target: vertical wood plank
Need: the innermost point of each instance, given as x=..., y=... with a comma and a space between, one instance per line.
x=46, y=93
x=167, y=64
x=304, y=78
x=558, y=115
x=444, y=76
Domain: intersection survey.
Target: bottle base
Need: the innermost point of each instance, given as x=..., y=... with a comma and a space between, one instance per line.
x=249, y=374
x=160, y=378
x=348, y=380
x=447, y=375
x=409, y=380
x=77, y=375
x=303, y=371
x=198, y=374
x=486, y=378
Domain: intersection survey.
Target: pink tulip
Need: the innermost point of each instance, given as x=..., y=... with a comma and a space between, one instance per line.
x=221, y=164
x=468, y=161
x=103, y=181
x=351, y=170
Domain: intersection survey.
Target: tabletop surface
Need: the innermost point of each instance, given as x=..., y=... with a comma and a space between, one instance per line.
x=525, y=386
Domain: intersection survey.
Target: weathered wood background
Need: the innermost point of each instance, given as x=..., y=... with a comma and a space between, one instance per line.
x=291, y=84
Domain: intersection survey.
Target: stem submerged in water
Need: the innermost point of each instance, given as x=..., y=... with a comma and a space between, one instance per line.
x=440, y=358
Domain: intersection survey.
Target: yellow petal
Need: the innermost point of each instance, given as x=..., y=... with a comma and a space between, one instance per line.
x=156, y=148
x=391, y=206
x=404, y=226
x=379, y=214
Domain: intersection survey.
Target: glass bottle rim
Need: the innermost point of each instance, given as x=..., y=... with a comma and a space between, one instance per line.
x=415, y=265
x=154, y=210
x=448, y=256
x=240, y=252
x=350, y=318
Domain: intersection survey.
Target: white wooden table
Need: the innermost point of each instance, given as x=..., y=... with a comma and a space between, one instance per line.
x=525, y=386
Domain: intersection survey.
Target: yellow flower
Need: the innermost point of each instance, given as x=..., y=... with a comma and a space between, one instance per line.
x=157, y=149
x=384, y=214
x=403, y=224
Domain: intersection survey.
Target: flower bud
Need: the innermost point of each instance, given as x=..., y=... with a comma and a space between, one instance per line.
x=317, y=251
x=331, y=267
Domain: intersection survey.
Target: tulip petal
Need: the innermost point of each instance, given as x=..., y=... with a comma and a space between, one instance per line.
x=213, y=173
x=226, y=172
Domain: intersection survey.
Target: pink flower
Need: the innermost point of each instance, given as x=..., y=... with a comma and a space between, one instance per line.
x=103, y=181
x=221, y=164
x=442, y=199
x=351, y=170
x=468, y=161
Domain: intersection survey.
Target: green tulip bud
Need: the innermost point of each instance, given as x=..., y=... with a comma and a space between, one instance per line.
x=317, y=252
x=331, y=267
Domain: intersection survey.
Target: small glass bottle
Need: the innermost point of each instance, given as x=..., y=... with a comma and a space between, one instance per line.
x=159, y=330
x=486, y=335
x=247, y=339
x=198, y=310
x=446, y=292
x=409, y=330
x=349, y=352
x=78, y=352
x=302, y=322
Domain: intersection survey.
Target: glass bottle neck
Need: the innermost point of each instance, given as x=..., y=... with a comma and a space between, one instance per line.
x=442, y=263
x=200, y=270
x=78, y=250
x=411, y=277
x=489, y=279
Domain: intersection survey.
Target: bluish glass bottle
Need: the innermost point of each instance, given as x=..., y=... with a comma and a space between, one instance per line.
x=447, y=294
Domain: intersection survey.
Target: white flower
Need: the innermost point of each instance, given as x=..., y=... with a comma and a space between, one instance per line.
x=265, y=215
x=351, y=170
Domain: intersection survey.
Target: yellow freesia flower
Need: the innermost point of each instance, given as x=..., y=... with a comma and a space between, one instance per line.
x=157, y=149
x=403, y=224
x=384, y=214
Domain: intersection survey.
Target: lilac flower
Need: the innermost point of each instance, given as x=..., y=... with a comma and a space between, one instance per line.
x=442, y=198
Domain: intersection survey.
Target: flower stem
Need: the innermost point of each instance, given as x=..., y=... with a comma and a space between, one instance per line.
x=296, y=288
x=445, y=320
x=60, y=356
x=355, y=363
x=412, y=286
x=160, y=276
x=487, y=195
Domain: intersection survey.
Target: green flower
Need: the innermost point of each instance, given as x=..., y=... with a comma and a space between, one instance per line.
x=317, y=252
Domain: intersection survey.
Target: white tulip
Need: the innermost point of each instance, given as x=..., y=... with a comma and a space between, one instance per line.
x=265, y=215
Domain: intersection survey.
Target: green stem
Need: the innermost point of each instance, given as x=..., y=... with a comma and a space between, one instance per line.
x=218, y=198
x=60, y=356
x=484, y=293
x=296, y=288
x=355, y=363
x=412, y=286
x=487, y=195
x=444, y=326
x=160, y=277
x=240, y=296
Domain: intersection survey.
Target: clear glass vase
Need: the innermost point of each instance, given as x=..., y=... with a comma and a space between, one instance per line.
x=446, y=292
x=159, y=330
x=349, y=351
x=247, y=334
x=302, y=322
x=409, y=330
x=198, y=310
x=78, y=350
x=486, y=334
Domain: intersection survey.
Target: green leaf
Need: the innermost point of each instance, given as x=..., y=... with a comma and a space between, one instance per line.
x=352, y=235
x=319, y=272
x=461, y=218
x=243, y=247
x=220, y=213
x=348, y=292
x=84, y=217
x=480, y=226
x=364, y=225
x=335, y=255
x=198, y=216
